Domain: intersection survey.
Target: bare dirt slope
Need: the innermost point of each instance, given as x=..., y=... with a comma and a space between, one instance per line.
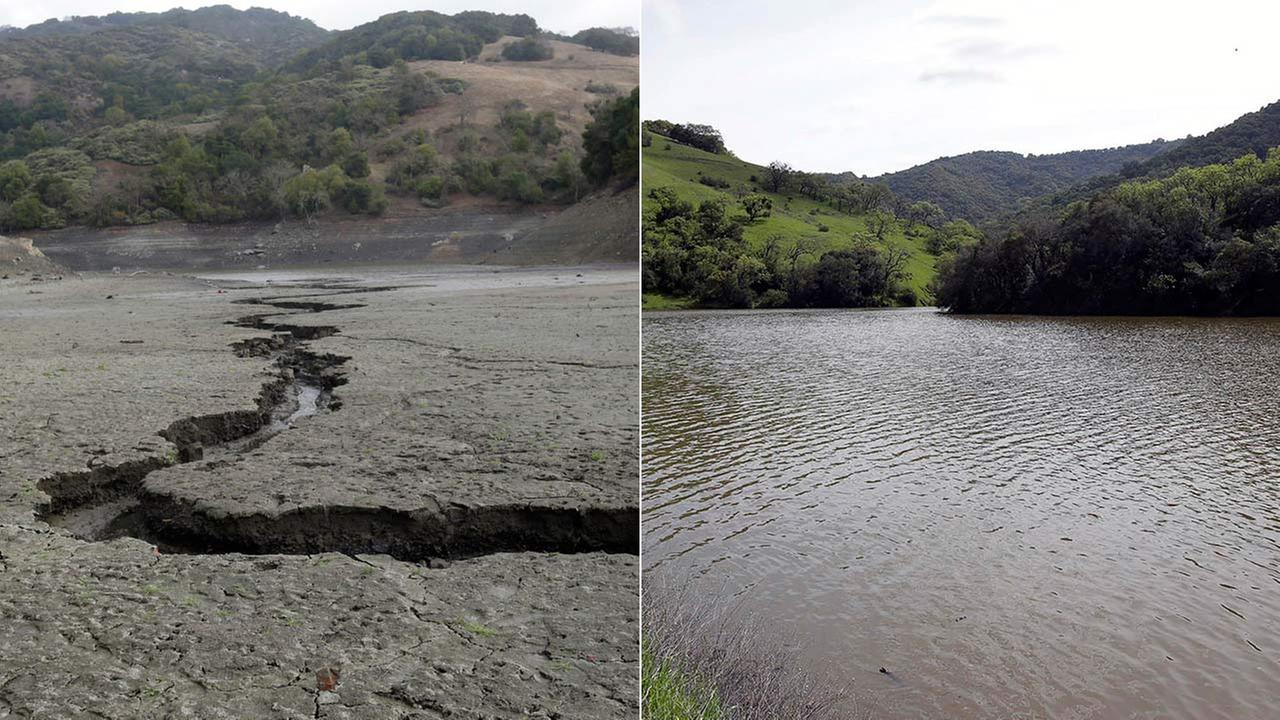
x=602, y=228
x=19, y=256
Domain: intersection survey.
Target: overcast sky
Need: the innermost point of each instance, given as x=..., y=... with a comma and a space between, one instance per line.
x=875, y=86
x=555, y=15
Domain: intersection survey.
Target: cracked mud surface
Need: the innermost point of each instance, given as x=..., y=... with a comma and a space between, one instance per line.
x=400, y=535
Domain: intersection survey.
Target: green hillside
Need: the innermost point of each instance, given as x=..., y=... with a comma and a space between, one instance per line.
x=667, y=163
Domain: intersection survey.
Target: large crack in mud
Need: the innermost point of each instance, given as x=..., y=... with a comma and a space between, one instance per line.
x=106, y=502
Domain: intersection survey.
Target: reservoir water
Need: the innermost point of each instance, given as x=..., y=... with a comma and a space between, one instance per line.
x=1019, y=517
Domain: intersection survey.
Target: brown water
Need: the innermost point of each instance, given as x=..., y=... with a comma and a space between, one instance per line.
x=1020, y=517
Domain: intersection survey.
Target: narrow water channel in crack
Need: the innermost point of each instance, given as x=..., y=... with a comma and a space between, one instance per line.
x=112, y=501
x=105, y=502
x=308, y=404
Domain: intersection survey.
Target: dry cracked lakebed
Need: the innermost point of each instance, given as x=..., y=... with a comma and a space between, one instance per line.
x=410, y=496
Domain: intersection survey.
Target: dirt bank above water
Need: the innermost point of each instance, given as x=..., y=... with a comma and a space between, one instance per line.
x=601, y=228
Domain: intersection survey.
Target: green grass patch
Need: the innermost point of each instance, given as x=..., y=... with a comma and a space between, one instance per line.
x=658, y=301
x=666, y=163
x=671, y=694
x=476, y=628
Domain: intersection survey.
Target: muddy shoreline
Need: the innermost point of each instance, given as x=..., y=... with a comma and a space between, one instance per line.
x=453, y=525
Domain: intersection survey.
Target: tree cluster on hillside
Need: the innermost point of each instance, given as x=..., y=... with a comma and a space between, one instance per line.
x=239, y=168
x=611, y=141
x=527, y=49
x=530, y=165
x=421, y=35
x=699, y=252
x=295, y=147
x=670, y=248
x=621, y=41
x=112, y=77
x=703, y=137
x=1203, y=240
x=198, y=125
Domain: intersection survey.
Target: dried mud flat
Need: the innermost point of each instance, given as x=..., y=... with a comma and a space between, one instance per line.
x=393, y=496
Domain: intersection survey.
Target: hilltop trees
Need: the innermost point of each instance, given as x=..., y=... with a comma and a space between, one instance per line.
x=618, y=42
x=420, y=35
x=703, y=137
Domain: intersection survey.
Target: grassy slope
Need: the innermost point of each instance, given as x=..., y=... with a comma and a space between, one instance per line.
x=670, y=164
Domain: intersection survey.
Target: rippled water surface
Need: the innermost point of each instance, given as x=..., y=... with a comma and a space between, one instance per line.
x=1020, y=517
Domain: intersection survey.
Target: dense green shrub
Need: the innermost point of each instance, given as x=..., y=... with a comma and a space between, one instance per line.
x=408, y=168
x=136, y=143
x=611, y=141
x=601, y=88
x=15, y=178
x=540, y=127
x=526, y=50
x=611, y=41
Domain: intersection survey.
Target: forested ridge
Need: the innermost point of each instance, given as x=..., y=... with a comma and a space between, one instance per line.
x=267, y=35
x=219, y=115
x=1202, y=241
x=1253, y=133
x=985, y=185
x=1194, y=230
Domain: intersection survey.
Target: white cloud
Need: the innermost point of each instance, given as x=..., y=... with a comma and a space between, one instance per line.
x=879, y=85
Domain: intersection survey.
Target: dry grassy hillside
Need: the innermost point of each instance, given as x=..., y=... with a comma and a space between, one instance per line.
x=558, y=84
